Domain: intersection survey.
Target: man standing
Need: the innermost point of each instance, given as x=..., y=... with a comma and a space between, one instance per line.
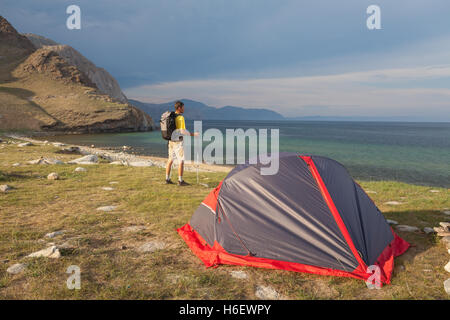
x=175, y=145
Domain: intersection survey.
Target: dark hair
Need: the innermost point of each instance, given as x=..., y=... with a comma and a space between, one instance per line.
x=178, y=104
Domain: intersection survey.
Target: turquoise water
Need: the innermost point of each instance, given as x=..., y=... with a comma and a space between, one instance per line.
x=411, y=152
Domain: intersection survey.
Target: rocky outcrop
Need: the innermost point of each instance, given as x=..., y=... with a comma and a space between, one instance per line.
x=103, y=80
x=47, y=61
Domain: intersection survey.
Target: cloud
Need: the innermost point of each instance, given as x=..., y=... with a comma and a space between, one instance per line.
x=370, y=93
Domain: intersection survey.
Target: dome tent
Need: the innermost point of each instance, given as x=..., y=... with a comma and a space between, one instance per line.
x=309, y=217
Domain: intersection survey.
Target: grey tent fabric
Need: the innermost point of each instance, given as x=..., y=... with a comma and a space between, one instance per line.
x=366, y=225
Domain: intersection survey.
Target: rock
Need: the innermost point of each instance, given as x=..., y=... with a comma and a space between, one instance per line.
x=446, y=241
x=445, y=225
x=45, y=161
x=391, y=222
x=133, y=229
x=393, y=203
x=266, y=293
x=5, y=188
x=107, y=208
x=405, y=228
x=113, y=182
x=447, y=267
x=147, y=163
x=55, y=233
x=16, y=268
x=89, y=159
x=447, y=286
x=446, y=213
x=435, y=191
x=70, y=150
x=53, y=176
x=117, y=163
x=239, y=274
x=80, y=169
x=58, y=144
x=370, y=191
x=50, y=252
x=151, y=246
x=428, y=230
x=16, y=164
x=25, y=144
x=107, y=188
x=438, y=229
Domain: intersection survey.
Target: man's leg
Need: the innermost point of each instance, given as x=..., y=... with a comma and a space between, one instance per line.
x=168, y=168
x=180, y=171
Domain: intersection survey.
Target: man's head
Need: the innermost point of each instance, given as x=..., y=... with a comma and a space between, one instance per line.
x=179, y=107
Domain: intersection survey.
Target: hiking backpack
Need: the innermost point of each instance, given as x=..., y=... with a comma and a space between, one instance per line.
x=167, y=124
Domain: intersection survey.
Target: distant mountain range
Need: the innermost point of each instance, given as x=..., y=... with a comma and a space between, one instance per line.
x=195, y=110
x=199, y=111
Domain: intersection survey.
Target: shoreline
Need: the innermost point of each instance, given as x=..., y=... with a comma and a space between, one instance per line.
x=126, y=158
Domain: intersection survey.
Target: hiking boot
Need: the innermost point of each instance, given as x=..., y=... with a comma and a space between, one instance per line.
x=183, y=183
x=168, y=181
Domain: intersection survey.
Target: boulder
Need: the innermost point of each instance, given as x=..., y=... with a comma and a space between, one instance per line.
x=89, y=159
x=267, y=293
x=393, y=203
x=391, y=222
x=16, y=268
x=107, y=188
x=80, y=169
x=446, y=241
x=58, y=144
x=53, y=176
x=405, y=228
x=55, y=233
x=428, y=230
x=445, y=225
x=16, y=164
x=45, y=161
x=239, y=274
x=151, y=246
x=446, y=212
x=447, y=267
x=147, y=163
x=447, y=286
x=106, y=208
x=25, y=144
x=5, y=188
x=50, y=252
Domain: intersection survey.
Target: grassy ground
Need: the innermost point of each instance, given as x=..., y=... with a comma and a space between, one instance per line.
x=111, y=267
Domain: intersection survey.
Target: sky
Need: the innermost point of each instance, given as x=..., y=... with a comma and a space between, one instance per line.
x=299, y=58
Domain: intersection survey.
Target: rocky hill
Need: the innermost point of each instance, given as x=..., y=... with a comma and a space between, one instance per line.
x=41, y=90
x=103, y=80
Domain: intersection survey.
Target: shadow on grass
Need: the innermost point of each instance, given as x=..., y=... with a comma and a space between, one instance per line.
x=17, y=176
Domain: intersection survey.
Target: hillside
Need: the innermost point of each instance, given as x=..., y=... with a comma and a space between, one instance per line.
x=199, y=111
x=41, y=91
x=105, y=83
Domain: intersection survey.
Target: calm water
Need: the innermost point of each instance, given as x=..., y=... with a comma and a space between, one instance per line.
x=411, y=152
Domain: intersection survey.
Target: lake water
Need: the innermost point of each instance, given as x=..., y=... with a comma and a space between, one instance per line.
x=416, y=153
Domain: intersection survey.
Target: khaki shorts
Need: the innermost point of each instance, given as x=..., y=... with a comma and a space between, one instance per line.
x=176, y=150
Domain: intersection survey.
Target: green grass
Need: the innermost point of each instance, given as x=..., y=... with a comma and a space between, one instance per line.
x=111, y=268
